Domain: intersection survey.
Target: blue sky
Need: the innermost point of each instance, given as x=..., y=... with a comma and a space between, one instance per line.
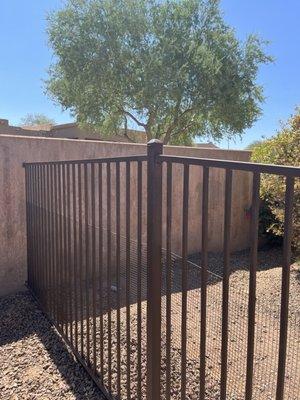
x=25, y=58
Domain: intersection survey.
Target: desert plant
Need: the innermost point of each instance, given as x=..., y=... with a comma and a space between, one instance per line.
x=282, y=149
x=251, y=146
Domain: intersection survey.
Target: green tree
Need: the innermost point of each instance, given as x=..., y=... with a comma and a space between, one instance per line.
x=174, y=68
x=36, y=119
x=254, y=144
x=282, y=149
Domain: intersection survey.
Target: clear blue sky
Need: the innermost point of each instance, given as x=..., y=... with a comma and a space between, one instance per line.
x=25, y=58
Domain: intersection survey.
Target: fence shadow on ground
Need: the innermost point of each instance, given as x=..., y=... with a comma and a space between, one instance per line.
x=21, y=318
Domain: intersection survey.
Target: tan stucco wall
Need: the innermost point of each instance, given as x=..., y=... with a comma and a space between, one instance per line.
x=14, y=150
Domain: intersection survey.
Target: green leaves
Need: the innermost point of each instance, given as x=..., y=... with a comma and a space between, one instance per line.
x=174, y=67
x=36, y=119
x=282, y=149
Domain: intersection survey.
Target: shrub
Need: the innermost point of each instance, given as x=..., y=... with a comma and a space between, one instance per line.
x=282, y=149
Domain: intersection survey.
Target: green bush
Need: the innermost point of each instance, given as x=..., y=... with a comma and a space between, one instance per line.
x=282, y=149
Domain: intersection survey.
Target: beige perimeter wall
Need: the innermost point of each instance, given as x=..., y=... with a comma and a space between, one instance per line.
x=14, y=150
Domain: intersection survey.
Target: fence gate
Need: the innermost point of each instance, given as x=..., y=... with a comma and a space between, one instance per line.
x=149, y=313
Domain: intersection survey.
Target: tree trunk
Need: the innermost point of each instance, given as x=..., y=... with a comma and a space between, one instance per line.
x=149, y=135
x=167, y=138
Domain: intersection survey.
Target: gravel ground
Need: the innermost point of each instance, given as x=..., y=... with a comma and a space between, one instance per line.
x=35, y=363
x=50, y=372
x=268, y=275
x=267, y=332
x=268, y=296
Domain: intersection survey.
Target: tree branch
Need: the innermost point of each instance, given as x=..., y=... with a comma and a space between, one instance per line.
x=177, y=117
x=167, y=136
x=170, y=133
x=139, y=123
x=126, y=131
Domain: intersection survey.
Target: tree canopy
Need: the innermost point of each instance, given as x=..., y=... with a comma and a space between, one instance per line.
x=36, y=119
x=254, y=144
x=174, y=68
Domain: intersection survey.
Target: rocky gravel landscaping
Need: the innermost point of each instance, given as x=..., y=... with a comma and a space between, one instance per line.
x=35, y=363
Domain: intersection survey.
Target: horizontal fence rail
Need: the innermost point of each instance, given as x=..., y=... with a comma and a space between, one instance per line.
x=147, y=317
x=234, y=165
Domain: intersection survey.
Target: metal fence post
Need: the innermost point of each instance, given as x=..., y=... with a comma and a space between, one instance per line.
x=154, y=248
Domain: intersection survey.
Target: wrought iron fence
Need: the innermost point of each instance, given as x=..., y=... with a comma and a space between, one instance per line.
x=147, y=321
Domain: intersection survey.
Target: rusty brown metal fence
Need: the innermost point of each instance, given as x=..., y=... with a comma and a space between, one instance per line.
x=145, y=321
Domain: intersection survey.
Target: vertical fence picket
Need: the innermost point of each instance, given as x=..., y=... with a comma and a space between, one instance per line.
x=41, y=235
x=56, y=239
x=93, y=261
x=48, y=241
x=285, y=285
x=168, y=279
x=61, y=250
x=225, y=287
x=45, y=238
x=184, y=280
x=252, y=285
x=65, y=251
x=139, y=279
x=128, y=281
x=118, y=280
x=34, y=218
x=69, y=252
x=28, y=183
x=87, y=262
x=80, y=233
x=52, y=247
x=101, y=310
x=75, y=254
x=52, y=240
x=37, y=227
x=204, y=266
x=28, y=223
x=108, y=272
x=154, y=273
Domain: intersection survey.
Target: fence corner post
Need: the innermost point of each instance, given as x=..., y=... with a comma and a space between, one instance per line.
x=154, y=269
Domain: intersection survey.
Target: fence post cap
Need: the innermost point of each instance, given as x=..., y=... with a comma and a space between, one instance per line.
x=154, y=141
x=154, y=147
